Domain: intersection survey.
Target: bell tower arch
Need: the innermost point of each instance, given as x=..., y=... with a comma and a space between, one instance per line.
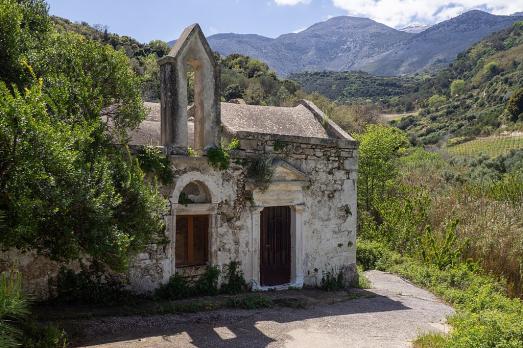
x=191, y=51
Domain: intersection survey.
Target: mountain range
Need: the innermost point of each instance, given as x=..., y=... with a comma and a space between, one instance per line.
x=352, y=43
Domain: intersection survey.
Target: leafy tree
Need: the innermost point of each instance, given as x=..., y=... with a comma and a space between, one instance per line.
x=437, y=100
x=515, y=105
x=379, y=147
x=159, y=47
x=233, y=91
x=22, y=24
x=65, y=188
x=457, y=87
x=151, y=78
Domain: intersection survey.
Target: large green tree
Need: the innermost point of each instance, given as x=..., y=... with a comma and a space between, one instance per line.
x=379, y=148
x=65, y=187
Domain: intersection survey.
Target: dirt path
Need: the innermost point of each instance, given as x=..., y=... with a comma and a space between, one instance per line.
x=395, y=314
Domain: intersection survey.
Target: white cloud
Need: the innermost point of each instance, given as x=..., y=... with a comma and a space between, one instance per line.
x=291, y=2
x=299, y=30
x=397, y=13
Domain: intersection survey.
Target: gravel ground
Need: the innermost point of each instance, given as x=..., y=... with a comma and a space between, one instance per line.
x=394, y=314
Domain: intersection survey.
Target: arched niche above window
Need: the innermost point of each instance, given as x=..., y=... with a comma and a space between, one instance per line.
x=195, y=192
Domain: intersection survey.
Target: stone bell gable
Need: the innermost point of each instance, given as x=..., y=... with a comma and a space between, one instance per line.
x=191, y=51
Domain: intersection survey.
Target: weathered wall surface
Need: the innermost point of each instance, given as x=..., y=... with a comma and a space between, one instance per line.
x=327, y=197
x=329, y=215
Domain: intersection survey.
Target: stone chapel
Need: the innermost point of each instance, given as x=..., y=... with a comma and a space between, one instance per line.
x=289, y=230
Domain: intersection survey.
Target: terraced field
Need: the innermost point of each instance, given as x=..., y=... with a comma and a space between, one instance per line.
x=491, y=146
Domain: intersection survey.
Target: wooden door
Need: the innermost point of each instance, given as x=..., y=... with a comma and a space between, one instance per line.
x=192, y=241
x=275, y=246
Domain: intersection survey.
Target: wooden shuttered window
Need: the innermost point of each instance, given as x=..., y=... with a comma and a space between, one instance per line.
x=192, y=240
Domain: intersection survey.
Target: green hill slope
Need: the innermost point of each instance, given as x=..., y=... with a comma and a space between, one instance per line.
x=390, y=92
x=472, y=96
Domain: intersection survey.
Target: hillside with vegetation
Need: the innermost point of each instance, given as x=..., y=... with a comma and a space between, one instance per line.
x=390, y=93
x=451, y=224
x=440, y=194
x=478, y=95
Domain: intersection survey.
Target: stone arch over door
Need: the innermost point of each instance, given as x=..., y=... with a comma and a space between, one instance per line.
x=191, y=50
x=194, y=194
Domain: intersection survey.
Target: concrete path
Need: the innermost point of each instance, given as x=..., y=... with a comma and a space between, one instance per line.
x=395, y=314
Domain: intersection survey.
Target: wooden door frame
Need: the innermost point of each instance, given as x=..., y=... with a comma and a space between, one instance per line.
x=297, y=246
x=275, y=246
x=194, y=209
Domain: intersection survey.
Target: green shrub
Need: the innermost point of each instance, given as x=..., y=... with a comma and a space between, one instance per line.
x=207, y=283
x=176, y=288
x=491, y=69
x=332, y=281
x=92, y=285
x=261, y=170
x=234, y=282
x=437, y=100
x=442, y=250
x=152, y=160
x=369, y=253
x=16, y=328
x=515, y=105
x=180, y=287
x=218, y=158
x=37, y=335
x=13, y=307
x=375, y=255
x=360, y=280
x=457, y=87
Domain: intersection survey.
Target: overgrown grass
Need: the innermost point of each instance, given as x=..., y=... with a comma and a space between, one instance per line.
x=429, y=340
x=17, y=329
x=362, y=281
x=485, y=315
x=252, y=301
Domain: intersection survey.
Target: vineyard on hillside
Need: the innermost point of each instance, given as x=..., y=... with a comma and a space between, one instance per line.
x=492, y=146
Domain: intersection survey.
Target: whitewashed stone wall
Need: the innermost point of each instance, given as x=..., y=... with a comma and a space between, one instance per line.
x=326, y=199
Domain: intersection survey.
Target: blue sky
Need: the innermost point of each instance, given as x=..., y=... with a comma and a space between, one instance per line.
x=146, y=20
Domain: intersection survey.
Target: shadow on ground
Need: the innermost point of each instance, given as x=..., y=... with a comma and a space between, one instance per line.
x=219, y=328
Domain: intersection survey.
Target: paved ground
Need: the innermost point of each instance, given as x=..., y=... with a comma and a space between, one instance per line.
x=392, y=317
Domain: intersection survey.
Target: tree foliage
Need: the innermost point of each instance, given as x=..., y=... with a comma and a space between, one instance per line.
x=515, y=106
x=457, y=87
x=65, y=188
x=22, y=23
x=379, y=147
